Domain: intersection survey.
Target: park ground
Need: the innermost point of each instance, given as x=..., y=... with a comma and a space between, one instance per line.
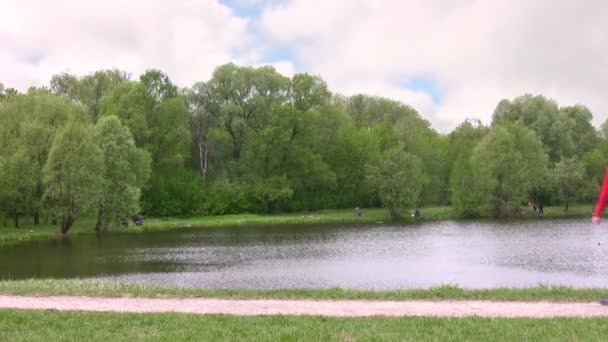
x=17, y=324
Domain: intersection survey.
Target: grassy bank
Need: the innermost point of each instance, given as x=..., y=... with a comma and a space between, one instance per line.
x=28, y=231
x=55, y=326
x=46, y=287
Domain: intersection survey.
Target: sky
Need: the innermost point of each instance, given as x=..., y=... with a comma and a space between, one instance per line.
x=449, y=59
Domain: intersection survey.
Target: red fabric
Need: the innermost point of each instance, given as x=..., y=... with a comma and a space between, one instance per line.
x=603, y=200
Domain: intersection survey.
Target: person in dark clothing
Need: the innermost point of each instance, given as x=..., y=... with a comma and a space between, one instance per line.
x=138, y=220
x=417, y=212
x=540, y=210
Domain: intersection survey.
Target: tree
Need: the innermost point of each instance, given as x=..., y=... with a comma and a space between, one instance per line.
x=20, y=190
x=6, y=93
x=28, y=124
x=245, y=97
x=353, y=155
x=565, y=131
x=90, y=90
x=464, y=194
x=158, y=119
x=203, y=117
x=569, y=176
x=398, y=180
x=126, y=170
x=72, y=176
x=506, y=165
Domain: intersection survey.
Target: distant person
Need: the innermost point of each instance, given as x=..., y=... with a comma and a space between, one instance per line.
x=534, y=207
x=357, y=211
x=540, y=210
x=138, y=220
x=417, y=212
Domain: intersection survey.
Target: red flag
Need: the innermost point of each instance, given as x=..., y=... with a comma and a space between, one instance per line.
x=602, y=200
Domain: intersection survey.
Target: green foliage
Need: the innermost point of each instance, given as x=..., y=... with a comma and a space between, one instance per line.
x=565, y=132
x=72, y=174
x=126, y=170
x=90, y=90
x=569, y=177
x=506, y=165
x=353, y=155
x=465, y=195
x=252, y=140
x=28, y=124
x=398, y=180
x=173, y=192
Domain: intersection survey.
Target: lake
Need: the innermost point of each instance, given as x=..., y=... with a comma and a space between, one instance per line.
x=472, y=254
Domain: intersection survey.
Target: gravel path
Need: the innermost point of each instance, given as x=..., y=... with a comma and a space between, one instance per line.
x=339, y=308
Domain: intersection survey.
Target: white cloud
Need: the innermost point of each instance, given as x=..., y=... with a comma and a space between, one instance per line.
x=479, y=51
x=186, y=39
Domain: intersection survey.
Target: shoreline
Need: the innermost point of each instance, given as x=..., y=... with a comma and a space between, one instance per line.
x=11, y=235
x=83, y=287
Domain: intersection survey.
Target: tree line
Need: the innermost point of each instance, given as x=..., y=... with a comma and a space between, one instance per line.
x=252, y=140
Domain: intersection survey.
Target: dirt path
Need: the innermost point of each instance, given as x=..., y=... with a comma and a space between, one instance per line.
x=342, y=308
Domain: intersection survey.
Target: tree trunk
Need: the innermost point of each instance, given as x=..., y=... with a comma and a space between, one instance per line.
x=99, y=225
x=16, y=220
x=206, y=154
x=36, y=218
x=67, y=224
x=566, y=210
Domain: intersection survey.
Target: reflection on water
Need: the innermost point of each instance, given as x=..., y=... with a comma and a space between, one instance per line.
x=471, y=254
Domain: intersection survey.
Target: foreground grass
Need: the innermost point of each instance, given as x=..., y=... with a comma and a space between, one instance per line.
x=55, y=326
x=10, y=235
x=46, y=287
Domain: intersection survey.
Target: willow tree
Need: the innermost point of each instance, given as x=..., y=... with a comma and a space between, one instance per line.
x=72, y=175
x=126, y=169
x=398, y=179
x=507, y=164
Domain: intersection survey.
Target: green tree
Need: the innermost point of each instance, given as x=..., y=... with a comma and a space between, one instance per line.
x=126, y=171
x=72, y=176
x=353, y=155
x=464, y=194
x=569, y=176
x=6, y=93
x=28, y=124
x=398, y=179
x=245, y=97
x=203, y=117
x=90, y=90
x=19, y=185
x=507, y=164
x=565, y=132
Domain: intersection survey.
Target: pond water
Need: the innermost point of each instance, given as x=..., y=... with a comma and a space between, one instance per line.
x=381, y=257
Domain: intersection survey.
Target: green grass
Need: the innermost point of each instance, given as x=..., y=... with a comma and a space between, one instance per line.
x=46, y=287
x=10, y=235
x=18, y=325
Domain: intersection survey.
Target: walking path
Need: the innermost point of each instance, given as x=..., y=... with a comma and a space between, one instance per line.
x=338, y=308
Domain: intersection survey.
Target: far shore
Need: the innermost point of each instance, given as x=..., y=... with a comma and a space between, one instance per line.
x=11, y=235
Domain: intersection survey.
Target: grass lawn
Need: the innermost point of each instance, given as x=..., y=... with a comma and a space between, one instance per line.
x=45, y=287
x=10, y=235
x=16, y=325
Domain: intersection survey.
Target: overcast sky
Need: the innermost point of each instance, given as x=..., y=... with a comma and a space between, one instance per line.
x=449, y=59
